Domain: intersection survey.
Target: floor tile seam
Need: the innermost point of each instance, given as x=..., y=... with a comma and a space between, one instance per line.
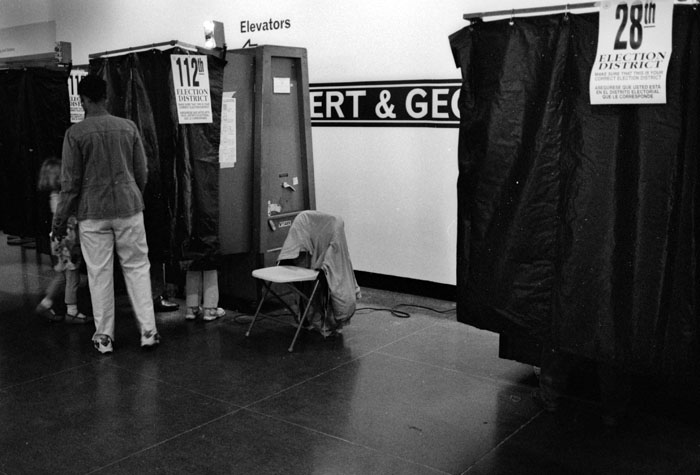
x=341, y=439
x=496, y=381
x=409, y=335
x=350, y=361
x=505, y=439
x=176, y=386
x=30, y=381
x=164, y=441
x=288, y=388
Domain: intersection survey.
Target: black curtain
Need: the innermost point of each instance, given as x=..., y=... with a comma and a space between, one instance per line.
x=34, y=116
x=182, y=204
x=577, y=224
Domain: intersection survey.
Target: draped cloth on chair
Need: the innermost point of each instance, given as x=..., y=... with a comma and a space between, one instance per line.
x=578, y=224
x=321, y=237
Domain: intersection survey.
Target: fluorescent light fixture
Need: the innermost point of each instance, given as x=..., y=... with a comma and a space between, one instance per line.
x=214, y=34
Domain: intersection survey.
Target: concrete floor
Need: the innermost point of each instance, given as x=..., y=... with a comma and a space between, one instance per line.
x=418, y=395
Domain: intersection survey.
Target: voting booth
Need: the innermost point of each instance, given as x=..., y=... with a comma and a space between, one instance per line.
x=228, y=140
x=266, y=176
x=34, y=70
x=577, y=226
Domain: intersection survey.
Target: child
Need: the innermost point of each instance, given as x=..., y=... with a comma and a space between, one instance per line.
x=65, y=253
x=202, y=285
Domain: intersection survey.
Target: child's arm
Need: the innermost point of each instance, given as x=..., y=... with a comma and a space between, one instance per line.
x=71, y=177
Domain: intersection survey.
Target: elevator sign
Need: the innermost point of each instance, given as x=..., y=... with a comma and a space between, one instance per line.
x=192, y=93
x=426, y=103
x=634, y=49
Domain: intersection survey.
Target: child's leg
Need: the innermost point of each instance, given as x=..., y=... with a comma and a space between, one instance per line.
x=193, y=288
x=52, y=292
x=54, y=289
x=71, y=294
x=72, y=283
x=210, y=303
x=210, y=285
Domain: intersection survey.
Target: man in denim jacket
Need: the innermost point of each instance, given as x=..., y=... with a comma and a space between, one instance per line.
x=103, y=176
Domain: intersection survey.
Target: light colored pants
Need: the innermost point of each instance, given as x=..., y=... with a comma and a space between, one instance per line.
x=202, y=285
x=98, y=239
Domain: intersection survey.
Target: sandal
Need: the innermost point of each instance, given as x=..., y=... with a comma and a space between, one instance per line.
x=48, y=314
x=79, y=318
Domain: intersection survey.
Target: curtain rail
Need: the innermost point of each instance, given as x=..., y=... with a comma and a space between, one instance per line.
x=550, y=9
x=144, y=47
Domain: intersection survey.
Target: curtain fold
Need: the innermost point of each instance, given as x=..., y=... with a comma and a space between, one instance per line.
x=576, y=223
x=33, y=119
x=182, y=204
x=127, y=96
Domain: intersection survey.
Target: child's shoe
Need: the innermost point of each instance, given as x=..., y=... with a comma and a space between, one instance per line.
x=192, y=313
x=48, y=313
x=213, y=313
x=79, y=318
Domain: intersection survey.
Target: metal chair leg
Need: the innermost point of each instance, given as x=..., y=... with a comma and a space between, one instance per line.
x=303, y=317
x=257, y=311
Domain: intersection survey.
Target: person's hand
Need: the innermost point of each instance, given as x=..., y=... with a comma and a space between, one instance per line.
x=57, y=234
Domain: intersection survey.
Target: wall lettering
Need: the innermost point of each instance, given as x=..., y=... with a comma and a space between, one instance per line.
x=426, y=103
x=248, y=26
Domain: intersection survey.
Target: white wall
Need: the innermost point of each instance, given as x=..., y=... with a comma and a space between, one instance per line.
x=395, y=187
x=23, y=12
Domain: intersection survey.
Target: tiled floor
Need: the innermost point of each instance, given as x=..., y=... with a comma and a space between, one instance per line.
x=418, y=395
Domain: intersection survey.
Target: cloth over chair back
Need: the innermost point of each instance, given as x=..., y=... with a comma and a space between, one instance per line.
x=322, y=237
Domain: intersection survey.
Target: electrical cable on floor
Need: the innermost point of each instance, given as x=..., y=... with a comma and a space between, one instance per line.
x=244, y=318
x=393, y=311
x=402, y=314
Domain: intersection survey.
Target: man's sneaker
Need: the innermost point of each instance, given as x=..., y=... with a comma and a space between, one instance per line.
x=213, y=313
x=103, y=344
x=150, y=339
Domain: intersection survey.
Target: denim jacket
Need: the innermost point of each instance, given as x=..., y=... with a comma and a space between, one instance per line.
x=103, y=171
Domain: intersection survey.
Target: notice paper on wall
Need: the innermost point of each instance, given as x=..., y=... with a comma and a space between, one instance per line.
x=634, y=49
x=192, y=93
x=227, y=146
x=281, y=85
x=77, y=114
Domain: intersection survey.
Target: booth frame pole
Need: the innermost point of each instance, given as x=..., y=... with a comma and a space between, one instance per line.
x=549, y=9
x=144, y=47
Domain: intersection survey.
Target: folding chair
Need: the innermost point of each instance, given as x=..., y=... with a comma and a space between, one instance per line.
x=286, y=275
x=315, y=251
